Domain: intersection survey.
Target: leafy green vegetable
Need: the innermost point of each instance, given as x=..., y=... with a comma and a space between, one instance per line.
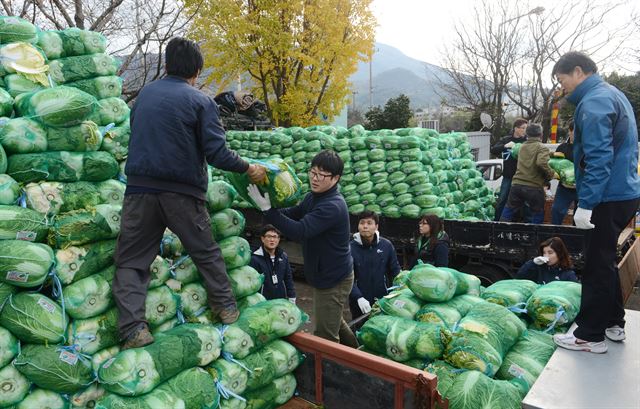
x=193, y=300
x=235, y=251
x=87, y=398
x=23, y=135
x=116, y=141
x=432, y=284
x=58, y=106
x=62, y=166
x=261, y=324
x=14, y=29
x=6, y=103
x=161, y=305
x=465, y=283
x=57, y=197
x=42, y=398
x=244, y=303
x=229, y=374
x=245, y=281
x=276, y=359
x=439, y=313
x=54, y=368
x=86, y=226
x=528, y=357
x=89, y=296
x=14, y=386
x=565, y=169
x=71, y=41
x=281, y=183
x=91, y=335
x=473, y=389
x=83, y=137
x=103, y=356
x=76, y=262
x=25, y=60
x=401, y=303
x=509, y=292
x=5, y=291
x=100, y=87
x=17, y=84
x=134, y=372
x=227, y=223
x=9, y=190
x=402, y=339
x=8, y=346
x=275, y=394
x=22, y=224
x=555, y=303
x=446, y=375
x=81, y=67
x=110, y=110
x=483, y=337
x=24, y=264
x=34, y=318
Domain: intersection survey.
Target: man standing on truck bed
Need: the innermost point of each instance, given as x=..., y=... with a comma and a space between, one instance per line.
x=321, y=223
x=175, y=131
x=509, y=163
x=532, y=174
x=606, y=161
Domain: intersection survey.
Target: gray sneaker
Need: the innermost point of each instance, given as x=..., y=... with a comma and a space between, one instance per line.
x=139, y=338
x=615, y=333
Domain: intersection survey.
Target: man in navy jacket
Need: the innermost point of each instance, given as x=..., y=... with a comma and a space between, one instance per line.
x=175, y=132
x=321, y=223
x=605, y=152
x=375, y=264
x=272, y=262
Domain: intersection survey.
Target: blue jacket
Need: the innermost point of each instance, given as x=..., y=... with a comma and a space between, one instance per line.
x=175, y=131
x=280, y=268
x=321, y=223
x=544, y=274
x=438, y=255
x=605, y=147
x=374, y=268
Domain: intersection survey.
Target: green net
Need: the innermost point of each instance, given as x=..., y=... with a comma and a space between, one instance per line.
x=34, y=318
x=85, y=226
x=24, y=264
x=554, y=304
x=62, y=167
x=71, y=42
x=82, y=67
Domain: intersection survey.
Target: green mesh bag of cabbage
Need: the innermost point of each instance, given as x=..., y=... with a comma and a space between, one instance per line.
x=482, y=338
x=402, y=339
x=260, y=324
x=281, y=183
x=134, y=372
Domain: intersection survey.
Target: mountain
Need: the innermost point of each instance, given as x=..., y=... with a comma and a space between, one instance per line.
x=394, y=73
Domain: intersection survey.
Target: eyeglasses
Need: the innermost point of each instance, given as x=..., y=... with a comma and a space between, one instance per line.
x=320, y=176
x=271, y=236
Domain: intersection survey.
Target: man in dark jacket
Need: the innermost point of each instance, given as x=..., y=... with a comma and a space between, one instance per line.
x=272, y=262
x=375, y=264
x=605, y=152
x=509, y=163
x=321, y=223
x=566, y=196
x=175, y=132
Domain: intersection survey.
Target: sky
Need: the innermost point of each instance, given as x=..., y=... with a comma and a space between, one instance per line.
x=420, y=28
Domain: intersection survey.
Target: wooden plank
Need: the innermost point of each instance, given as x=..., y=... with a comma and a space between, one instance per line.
x=298, y=403
x=628, y=270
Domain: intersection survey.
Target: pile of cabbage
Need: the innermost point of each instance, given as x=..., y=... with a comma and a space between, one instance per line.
x=404, y=172
x=486, y=345
x=60, y=202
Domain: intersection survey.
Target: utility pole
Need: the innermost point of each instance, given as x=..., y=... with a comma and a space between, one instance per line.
x=353, y=100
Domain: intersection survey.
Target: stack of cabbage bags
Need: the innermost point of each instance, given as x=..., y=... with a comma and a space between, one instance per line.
x=403, y=172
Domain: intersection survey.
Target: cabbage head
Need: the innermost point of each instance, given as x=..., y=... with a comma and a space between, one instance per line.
x=220, y=195
x=14, y=386
x=429, y=283
x=18, y=223
x=25, y=60
x=230, y=374
x=235, y=251
x=34, y=318
x=58, y=106
x=86, y=226
x=9, y=347
x=13, y=29
x=227, y=223
x=76, y=262
x=42, y=398
x=273, y=395
x=86, y=399
x=24, y=264
x=10, y=190
x=276, y=359
x=245, y=281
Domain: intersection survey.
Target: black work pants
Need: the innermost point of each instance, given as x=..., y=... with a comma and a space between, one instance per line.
x=521, y=196
x=145, y=217
x=601, y=304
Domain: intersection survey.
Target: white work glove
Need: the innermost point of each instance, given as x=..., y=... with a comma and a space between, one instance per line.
x=364, y=305
x=262, y=202
x=292, y=300
x=510, y=145
x=540, y=260
x=582, y=219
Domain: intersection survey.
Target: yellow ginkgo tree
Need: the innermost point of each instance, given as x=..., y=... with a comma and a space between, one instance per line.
x=298, y=54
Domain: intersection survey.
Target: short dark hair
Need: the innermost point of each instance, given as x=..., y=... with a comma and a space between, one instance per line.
x=519, y=122
x=556, y=243
x=329, y=161
x=534, y=130
x=267, y=228
x=368, y=214
x=183, y=58
x=569, y=61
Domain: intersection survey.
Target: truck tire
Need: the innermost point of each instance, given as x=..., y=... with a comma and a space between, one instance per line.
x=487, y=273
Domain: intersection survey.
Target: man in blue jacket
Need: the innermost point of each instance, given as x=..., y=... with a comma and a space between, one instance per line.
x=175, y=132
x=605, y=151
x=272, y=262
x=321, y=223
x=375, y=264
